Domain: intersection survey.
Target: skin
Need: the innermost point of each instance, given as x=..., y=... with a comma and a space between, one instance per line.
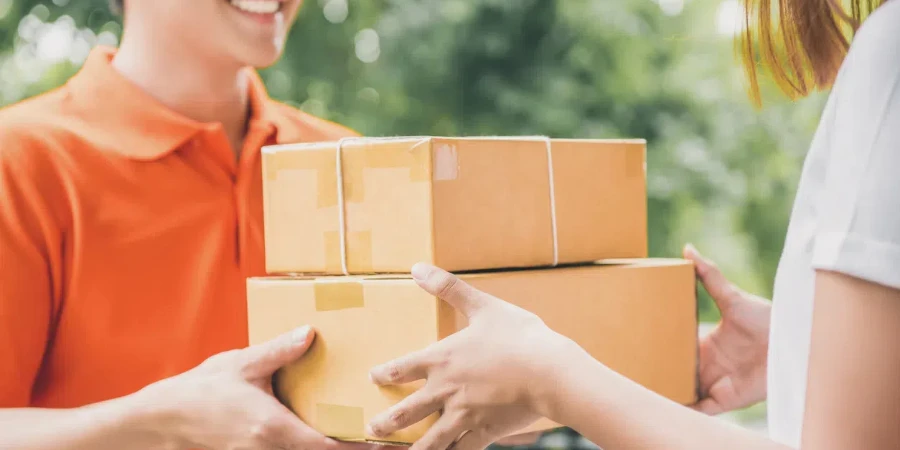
x=523, y=370
x=199, y=71
x=226, y=402
x=732, y=372
x=733, y=356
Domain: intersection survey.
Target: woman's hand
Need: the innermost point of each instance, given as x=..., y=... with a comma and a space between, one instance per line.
x=733, y=356
x=491, y=379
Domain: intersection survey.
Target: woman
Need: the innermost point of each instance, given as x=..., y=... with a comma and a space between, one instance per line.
x=833, y=370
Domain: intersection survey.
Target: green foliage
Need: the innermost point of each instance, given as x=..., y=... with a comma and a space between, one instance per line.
x=720, y=174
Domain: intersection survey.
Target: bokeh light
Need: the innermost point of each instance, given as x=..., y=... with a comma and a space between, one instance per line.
x=368, y=47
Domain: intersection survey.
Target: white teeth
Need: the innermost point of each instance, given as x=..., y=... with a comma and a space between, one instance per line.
x=257, y=6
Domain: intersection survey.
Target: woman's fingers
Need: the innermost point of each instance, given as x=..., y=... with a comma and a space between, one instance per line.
x=449, y=288
x=404, y=369
x=720, y=289
x=410, y=410
x=442, y=434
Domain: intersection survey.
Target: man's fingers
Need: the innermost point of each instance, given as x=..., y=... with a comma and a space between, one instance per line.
x=449, y=288
x=405, y=369
x=284, y=430
x=719, y=288
x=442, y=434
x=264, y=359
x=472, y=441
x=410, y=410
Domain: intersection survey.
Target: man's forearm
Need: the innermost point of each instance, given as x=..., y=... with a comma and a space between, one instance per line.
x=120, y=424
x=614, y=412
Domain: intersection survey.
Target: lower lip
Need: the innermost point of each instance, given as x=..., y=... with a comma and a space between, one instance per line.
x=256, y=17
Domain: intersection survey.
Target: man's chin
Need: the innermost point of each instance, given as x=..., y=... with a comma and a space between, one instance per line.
x=262, y=57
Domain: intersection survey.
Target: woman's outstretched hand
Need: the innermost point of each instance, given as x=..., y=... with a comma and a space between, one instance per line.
x=491, y=379
x=733, y=357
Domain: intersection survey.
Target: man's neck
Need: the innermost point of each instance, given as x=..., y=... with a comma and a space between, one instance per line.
x=194, y=87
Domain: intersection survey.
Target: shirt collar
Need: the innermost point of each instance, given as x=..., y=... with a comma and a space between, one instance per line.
x=135, y=124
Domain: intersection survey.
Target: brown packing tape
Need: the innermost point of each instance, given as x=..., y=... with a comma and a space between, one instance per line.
x=357, y=158
x=335, y=295
x=416, y=156
x=359, y=251
x=322, y=162
x=360, y=259
x=341, y=422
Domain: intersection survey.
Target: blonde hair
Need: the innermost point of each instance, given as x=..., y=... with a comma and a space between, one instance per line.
x=803, y=48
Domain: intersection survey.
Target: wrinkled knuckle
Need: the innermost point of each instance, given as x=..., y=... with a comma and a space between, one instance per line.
x=442, y=358
x=398, y=418
x=394, y=372
x=447, y=284
x=259, y=432
x=266, y=430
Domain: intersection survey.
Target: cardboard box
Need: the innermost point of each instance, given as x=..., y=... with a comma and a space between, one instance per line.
x=461, y=204
x=637, y=317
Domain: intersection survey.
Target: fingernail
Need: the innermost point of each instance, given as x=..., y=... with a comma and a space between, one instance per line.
x=420, y=271
x=690, y=248
x=300, y=335
x=371, y=431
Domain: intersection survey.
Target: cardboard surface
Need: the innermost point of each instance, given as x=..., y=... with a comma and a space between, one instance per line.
x=638, y=317
x=463, y=204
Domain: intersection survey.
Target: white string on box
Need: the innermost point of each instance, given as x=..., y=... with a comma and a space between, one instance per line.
x=340, y=185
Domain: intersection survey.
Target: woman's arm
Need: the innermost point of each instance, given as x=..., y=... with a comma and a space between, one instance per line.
x=853, y=397
x=853, y=392
x=507, y=368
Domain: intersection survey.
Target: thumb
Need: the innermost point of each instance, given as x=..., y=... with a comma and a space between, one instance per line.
x=720, y=289
x=262, y=360
x=449, y=288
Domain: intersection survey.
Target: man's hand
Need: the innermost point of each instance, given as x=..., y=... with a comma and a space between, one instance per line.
x=227, y=402
x=733, y=356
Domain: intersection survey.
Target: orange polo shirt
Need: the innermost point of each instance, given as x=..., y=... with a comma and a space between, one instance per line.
x=127, y=232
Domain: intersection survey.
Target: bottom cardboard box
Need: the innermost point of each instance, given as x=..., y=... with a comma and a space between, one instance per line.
x=639, y=317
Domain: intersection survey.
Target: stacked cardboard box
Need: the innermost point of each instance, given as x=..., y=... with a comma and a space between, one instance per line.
x=558, y=227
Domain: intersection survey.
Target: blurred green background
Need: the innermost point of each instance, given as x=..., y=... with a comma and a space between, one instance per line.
x=720, y=173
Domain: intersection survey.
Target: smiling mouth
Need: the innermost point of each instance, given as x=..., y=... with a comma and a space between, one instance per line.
x=257, y=6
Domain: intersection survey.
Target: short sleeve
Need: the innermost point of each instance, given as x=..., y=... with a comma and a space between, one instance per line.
x=29, y=237
x=858, y=210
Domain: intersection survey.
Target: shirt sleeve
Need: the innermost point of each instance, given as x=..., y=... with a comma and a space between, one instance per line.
x=29, y=247
x=858, y=210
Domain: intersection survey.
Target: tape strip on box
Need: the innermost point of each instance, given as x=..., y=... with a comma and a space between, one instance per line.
x=336, y=295
x=341, y=422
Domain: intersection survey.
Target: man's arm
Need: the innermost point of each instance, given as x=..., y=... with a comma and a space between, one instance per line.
x=122, y=423
x=225, y=402
x=222, y=403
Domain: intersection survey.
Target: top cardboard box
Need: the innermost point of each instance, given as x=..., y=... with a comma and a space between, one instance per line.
x=379, y=205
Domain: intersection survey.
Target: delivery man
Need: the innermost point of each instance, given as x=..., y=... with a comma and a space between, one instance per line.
x=130, y=217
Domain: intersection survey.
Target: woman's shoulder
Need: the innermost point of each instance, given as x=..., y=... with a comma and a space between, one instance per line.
x=876, y=45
